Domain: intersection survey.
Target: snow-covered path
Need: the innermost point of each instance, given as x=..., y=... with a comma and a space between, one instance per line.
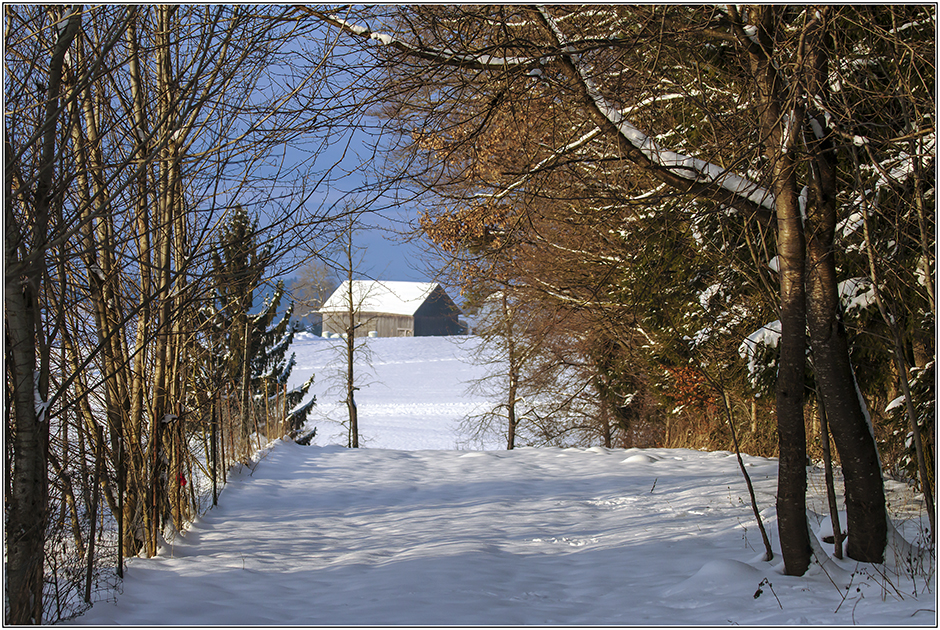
x=327, y=535
x=324, y=535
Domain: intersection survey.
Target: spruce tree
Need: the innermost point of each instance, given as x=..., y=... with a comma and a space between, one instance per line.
x=256, y=344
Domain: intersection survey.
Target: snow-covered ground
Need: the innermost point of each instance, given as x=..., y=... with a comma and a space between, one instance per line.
x=413, y=390
x=400, y=534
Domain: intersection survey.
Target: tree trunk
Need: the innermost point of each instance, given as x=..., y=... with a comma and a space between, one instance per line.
x=26, y=521
x=837, y=535
x=605, y=423
x=791, y=431
x=133, y=526
x=511, y=413
x=23, y=278
x=93, y=514
x=351, y=345
x=768, y=551
x=162, y=263
x=513, y=374
x=851, y=429
x=791, y=482
x=245, y=386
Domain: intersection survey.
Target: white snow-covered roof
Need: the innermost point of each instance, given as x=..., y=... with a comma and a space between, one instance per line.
x=380, y=296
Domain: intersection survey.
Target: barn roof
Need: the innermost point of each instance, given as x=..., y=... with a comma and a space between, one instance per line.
x=380, y=296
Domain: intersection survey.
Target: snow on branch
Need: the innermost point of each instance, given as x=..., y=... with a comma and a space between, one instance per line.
x=561, y=295
x=41, y=405
x=479, y=61
x=688, y=168
x=856, y=294
x=756, y=345
x=682, y=171
x=581, y=252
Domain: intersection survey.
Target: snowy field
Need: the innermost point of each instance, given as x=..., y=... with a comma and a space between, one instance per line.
x=413, y=390
x=409, y=531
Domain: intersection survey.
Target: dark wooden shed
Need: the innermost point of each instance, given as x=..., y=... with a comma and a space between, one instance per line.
x=392, y=309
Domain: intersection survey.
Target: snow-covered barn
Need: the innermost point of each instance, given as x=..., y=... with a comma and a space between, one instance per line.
x=392, y=309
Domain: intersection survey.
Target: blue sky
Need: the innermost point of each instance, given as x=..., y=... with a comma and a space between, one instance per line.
x=385, y=250
x=384, y=247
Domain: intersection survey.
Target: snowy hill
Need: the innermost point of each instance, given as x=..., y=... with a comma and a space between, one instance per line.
x=413, y=389
x=411, y=532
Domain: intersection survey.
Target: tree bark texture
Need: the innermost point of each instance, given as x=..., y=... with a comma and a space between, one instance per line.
x=23, y=278
x=851, y=430
x=791, y=431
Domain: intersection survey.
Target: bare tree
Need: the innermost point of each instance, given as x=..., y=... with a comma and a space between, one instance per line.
x=343, y=309
x=124, y=149
x=26, y=250
x=351, y=326
x=314, y=283
x=497, y=325
x=459, y=74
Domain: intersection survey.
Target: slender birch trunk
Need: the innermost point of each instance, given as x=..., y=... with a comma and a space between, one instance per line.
x=23, y=278
x=351, y=346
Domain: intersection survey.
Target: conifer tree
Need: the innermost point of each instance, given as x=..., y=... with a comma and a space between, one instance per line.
x=256, y=343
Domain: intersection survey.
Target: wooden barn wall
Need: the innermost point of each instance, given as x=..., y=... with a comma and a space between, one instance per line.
x=390, y=325
x=334, y=323
x=384, y=324
x=437, y=316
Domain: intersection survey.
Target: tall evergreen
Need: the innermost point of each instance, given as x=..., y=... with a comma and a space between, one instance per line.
x=256, y=344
